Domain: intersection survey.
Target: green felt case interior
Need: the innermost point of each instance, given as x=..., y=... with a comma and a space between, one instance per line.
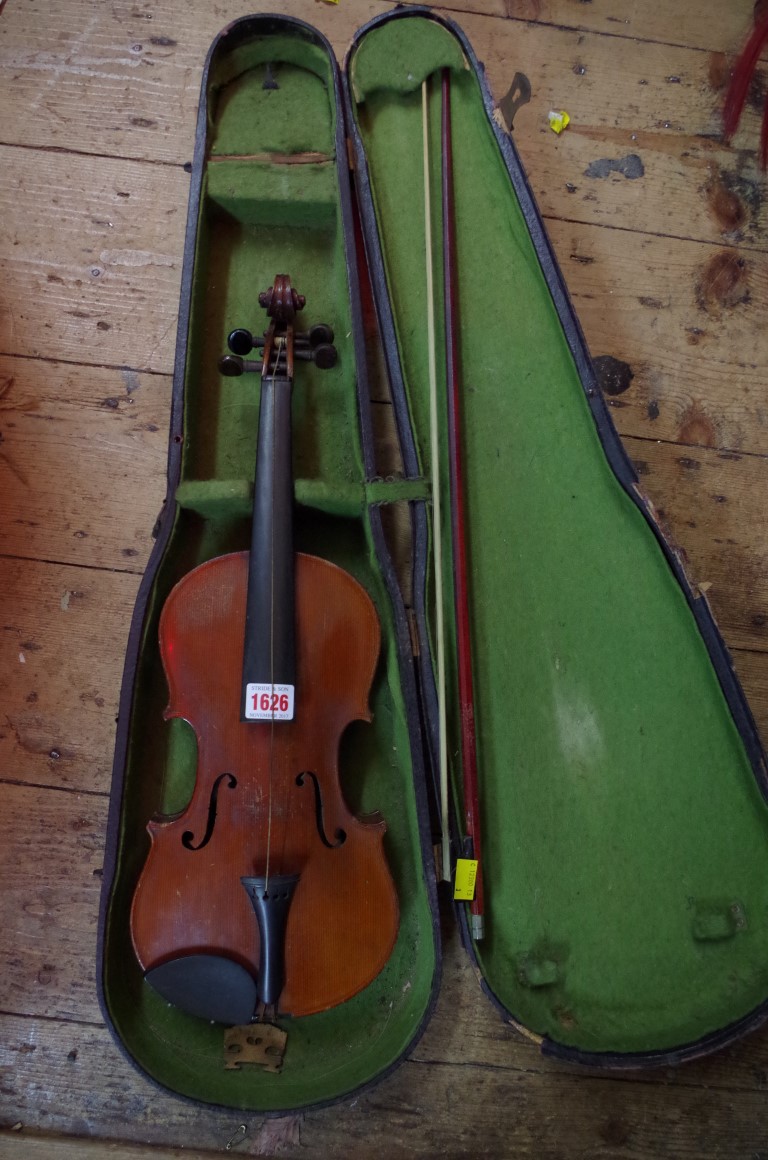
x=269, y=203
x=625, y=834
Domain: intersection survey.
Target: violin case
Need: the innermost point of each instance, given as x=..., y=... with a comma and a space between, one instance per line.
x=622, y=784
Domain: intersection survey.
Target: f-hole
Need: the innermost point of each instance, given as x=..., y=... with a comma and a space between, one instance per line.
x=340, y=835
x=187, y=838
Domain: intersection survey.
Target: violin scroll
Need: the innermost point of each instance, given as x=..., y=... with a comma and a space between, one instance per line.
x=281, y=302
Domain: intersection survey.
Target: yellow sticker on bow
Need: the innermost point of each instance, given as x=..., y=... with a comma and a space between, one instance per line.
x=559, y=121
x=466, y=873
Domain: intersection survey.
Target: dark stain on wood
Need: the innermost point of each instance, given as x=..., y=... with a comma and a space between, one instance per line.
x=689, y=464
x=143, y=123
x=653, y=409
x=163, y=41
x=613, y=376
x=723, y=283
x=95, y=697
x=130, y=379
x=652, y=303
x=695, y=334
x=697, y=427
x=630, y=167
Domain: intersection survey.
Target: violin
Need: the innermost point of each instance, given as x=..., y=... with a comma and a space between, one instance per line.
x=266, y=896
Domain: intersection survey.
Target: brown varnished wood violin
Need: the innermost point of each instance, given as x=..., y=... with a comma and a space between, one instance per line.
x=266, y=895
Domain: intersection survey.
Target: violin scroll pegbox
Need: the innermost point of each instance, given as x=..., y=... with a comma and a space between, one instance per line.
x=281, y=302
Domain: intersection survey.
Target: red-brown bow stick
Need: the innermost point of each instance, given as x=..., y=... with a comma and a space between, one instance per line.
x=458, y=522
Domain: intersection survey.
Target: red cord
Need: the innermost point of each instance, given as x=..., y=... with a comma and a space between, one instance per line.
x=740, y=81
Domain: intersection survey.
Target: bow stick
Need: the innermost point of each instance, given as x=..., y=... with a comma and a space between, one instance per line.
x=458, y=522
x=437, y=538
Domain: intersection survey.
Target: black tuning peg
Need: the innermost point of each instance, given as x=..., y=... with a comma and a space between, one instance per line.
x=316, y=345
x=233, y=365
x=320, y=334
x=324, y=356
x=240, y=341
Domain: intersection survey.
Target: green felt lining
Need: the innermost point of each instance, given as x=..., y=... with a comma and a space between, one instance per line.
x=259, y=218
x=399, y=56
x=625, y=837
x=233, y=498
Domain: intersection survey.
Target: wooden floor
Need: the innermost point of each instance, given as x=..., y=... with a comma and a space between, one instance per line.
x=662, y=234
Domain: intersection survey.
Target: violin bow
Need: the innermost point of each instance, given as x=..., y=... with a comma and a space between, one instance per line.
x=458, y=520
x=437, y=538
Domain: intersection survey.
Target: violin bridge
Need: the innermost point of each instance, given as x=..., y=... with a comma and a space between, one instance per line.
x=260, y=1044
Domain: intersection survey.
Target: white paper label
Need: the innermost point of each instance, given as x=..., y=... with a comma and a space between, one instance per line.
x=269, y=702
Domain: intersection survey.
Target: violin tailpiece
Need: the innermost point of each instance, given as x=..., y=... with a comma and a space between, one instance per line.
x=260, y=1044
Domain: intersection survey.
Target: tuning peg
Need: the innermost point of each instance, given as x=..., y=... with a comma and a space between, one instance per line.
x=240, y=341
x=233, y=365
x=319, y=334
x=324, y=355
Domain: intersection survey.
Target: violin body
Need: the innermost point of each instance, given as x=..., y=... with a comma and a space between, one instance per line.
x=343, y=918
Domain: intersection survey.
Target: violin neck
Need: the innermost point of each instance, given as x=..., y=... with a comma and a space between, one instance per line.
x=269, y=655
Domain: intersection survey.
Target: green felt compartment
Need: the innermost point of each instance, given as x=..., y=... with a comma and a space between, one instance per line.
x=266, y=210
x=625, y=836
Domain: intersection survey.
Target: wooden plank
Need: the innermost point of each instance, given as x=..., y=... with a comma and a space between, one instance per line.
x=50, y=860
x=714, y=508
x=90, y=258
x=689, y=323
x=83, y=454
x=13, y=1143
x=718, y=27
x=63, y=635
x=72, y=1079
x=94, y=81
